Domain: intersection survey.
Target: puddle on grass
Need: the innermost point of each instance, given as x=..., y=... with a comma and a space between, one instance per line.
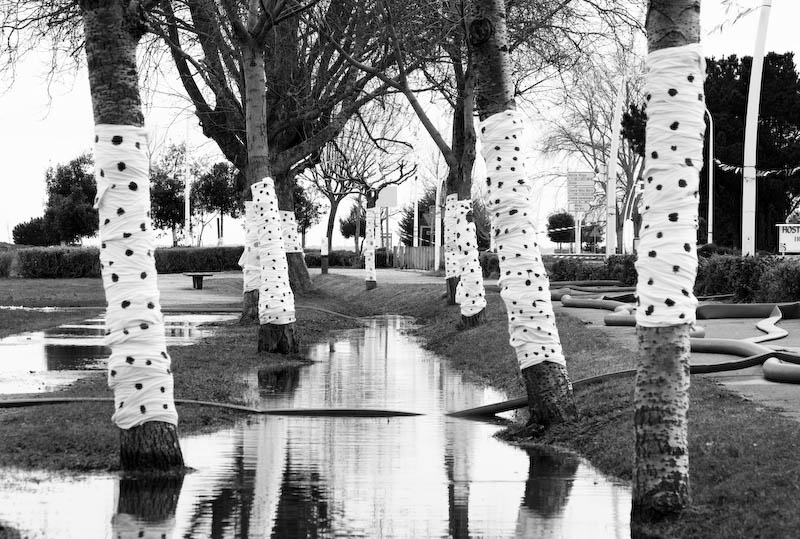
x=41, y=361
x=292, y=477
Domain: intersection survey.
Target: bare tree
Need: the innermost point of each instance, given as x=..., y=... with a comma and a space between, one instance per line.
x=139, y=366
x=523, y=280
x=667, y=266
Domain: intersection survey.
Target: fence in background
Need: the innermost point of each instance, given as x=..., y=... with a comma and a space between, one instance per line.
x=421, y=258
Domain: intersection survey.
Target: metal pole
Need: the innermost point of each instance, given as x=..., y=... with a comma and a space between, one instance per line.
x=750, y=136
x=415, y=241
x=710, y=165
x=611, y=173
x=437, y=228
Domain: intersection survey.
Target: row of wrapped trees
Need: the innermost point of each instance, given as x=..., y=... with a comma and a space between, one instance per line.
x=258, y=101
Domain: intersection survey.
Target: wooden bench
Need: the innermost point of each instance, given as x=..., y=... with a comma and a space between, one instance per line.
x=197, y=279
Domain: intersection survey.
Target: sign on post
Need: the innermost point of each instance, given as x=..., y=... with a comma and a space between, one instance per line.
x=580, y=191
x=788, y=238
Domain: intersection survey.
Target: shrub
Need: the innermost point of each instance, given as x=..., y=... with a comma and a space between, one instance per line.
x=622, y=268
x=313, y=258
x=342, y=258
x=180, y=259
x=59, y=262
x=731, y=274
x=780, y=282
x=705, y=251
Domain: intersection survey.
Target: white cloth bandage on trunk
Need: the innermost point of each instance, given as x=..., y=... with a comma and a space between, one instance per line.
x=291, y=237
x=249, y=261
x=275, y=297
x=369, y=245
x=667, y=262
x=523, y=281
x=470, y=293
x=450, y=261
x=139, y=366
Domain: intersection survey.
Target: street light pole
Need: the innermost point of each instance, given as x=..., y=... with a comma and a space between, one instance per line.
x=611, y=173
x=750, y=136
x=710, y=165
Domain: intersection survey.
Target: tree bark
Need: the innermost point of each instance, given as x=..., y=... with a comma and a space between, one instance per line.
x=277, y=338
x=661, y=406
x=249, y=307
x=112, y=30
x=299, y=279
x=661, y=397
x=549, y=391
x=150, y=446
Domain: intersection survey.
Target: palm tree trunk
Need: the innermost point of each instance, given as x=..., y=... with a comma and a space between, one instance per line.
x=666, y=311
x=139, y=366
x=523, y=280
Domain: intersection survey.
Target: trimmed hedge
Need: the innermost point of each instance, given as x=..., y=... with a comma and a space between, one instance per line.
x=75, y=262
x=732, y=274
x=335, y=258
x=180, y=259
x=59, y=262
x=6, y=261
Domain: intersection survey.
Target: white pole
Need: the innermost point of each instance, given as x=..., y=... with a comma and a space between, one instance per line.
x=710, y=166
x=187, y=222
x=415, y=241
x=750, y=136
x=611, y=173
x=437, y=228
x=578, y=232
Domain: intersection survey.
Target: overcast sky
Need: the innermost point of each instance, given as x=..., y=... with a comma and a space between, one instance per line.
x=42, y=127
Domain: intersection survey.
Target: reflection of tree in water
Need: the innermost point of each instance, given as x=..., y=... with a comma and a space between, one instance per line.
x=230, y=506
x=303, y=509
x=550, y=478
x=146, y=506
x=278, y=381
x=457, y=501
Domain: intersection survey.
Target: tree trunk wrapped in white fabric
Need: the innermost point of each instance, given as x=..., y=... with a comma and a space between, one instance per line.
x=291, y=237
x=523, y=280
x=276, y=311
x=450, y=248
x=667, y=265
x=139, y=366
x=251, y=267
x=470, y=293
x=369, y=248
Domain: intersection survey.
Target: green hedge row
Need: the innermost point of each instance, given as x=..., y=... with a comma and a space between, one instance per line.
x=616, y=267
x=74, y=262
x=384, y=258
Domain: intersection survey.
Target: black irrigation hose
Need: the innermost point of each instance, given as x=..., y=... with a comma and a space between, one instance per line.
x=751, y=361
x=308, y=412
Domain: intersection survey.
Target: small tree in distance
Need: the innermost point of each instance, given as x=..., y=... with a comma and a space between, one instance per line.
x=307, y=211
x=561, y=227
x=348, y=225
x=217, y=191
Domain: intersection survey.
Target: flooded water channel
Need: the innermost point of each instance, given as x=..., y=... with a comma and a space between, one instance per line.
x=41, y=361
x=290, y=477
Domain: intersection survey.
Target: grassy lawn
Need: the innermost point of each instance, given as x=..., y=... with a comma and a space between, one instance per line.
x=745, y=473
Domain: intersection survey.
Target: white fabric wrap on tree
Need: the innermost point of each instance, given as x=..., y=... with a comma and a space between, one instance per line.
x=291, y=238
x=450, y=261
x=369, y=245
x=139, y=366
x=667, y=262
x=470, y=293
x=249, y=261
x=275, y=297
x=523, y=281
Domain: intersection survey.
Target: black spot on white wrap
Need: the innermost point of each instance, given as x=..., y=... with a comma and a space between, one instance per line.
x=369, y=244
x=523, y=282
x=667, y=263
x=291, y=238
x=275, y=296
x=139, y=366
x=470, y=293
x=250, y=259
x=450, y=261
